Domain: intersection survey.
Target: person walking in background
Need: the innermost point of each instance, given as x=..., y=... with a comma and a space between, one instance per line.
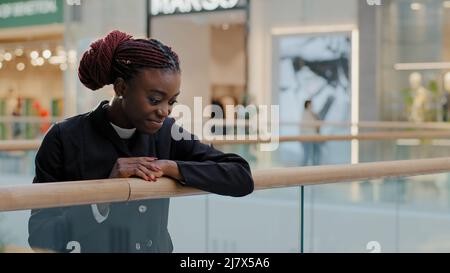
x=17, y=125
x=311, y=150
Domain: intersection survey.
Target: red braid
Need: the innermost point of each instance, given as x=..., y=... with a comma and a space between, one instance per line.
x=119, y=55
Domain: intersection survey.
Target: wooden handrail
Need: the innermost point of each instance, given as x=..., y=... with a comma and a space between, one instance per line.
x=321, y=138
x=374, y=124
x=361, y=124
x=24, y=145
x=19, y=145
x=61, y=194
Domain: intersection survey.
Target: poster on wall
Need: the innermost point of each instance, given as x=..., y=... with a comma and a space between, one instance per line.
x=312, y=82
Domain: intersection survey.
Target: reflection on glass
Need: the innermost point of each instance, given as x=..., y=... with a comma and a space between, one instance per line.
x=405, y=214
x=116, y=227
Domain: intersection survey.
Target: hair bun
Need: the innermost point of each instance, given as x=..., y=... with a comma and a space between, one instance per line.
x=96, y=64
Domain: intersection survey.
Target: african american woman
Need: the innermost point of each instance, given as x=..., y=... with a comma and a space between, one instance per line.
x=129, y=136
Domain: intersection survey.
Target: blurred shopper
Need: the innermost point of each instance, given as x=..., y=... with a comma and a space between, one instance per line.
x=17, y=113
x=13, y=109
x=129, y=136
x=311, y=150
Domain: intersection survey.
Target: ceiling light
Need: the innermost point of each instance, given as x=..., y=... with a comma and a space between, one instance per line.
x=46, y=53
x=20, y=66
x=34, y=54
x=40, y=61
x=416, y=6
x=7, y=56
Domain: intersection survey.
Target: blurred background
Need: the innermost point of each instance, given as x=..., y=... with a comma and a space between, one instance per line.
x=355, y=60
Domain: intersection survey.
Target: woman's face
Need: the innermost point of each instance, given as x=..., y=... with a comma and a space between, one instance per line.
x=148, y=98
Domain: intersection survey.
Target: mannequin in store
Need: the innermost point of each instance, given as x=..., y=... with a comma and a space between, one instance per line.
x=129, y=136
x=13, y=109
x=17, y=112
x=447, y=82
x=12, y=100
x=421, y=98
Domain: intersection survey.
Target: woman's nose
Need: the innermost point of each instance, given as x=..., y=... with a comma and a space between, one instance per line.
x=163, y=111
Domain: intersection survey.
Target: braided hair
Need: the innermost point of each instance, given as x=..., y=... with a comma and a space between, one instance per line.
x=120, y=55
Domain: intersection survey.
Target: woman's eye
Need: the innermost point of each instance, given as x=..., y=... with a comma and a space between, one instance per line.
x=154, y=101
x=173, y=102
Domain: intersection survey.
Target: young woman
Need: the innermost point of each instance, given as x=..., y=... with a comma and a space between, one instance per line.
x=127, y=136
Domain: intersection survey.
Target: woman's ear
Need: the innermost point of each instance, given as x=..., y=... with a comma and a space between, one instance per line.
x=120, y=87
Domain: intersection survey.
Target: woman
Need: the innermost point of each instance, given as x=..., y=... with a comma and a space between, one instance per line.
x=128, y=136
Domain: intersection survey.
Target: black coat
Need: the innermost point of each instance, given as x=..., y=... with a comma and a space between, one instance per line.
x=86, y=147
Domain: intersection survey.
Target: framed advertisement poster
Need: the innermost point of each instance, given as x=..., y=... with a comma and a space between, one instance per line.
x=313, y=79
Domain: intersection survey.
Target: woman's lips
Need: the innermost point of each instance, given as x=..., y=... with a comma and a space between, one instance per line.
x=157, y=123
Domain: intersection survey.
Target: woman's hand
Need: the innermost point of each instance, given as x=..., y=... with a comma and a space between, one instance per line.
x=143, y=167
x=168, y=167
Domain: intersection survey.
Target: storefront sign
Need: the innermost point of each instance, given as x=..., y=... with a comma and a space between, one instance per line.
x=15, y=13
x=169, y=7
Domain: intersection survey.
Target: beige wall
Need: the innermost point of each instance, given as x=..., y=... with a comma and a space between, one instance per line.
x=446, y=37
x=227, y=63
x=191, y=42
x=209, y=55
x=228, y=55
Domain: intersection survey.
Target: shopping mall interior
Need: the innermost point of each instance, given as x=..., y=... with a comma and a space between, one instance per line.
x=354, y=157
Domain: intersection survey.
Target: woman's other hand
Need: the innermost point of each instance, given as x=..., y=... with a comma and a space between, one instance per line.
x=143, y=167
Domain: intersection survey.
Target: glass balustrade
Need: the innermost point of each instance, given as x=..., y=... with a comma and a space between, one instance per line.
x=404, y=214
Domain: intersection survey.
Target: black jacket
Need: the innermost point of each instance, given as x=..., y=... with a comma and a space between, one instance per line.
x=86, y=147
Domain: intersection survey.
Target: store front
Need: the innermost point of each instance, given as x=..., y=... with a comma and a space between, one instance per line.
x=415, y=65
x=211, y=39
x=32, y=63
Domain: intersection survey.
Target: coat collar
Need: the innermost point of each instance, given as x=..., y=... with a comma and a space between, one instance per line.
x=141, y=144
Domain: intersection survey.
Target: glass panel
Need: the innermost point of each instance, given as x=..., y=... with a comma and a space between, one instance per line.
x=15, y=164
x=16, y=168
x=270, y=220
x=236, y=225
x=188, y=223
x=405, y=214
x=266, y=221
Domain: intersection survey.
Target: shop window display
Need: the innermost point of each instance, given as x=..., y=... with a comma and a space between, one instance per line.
x=415, y=59
x=32, y=96
x=313, y=67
